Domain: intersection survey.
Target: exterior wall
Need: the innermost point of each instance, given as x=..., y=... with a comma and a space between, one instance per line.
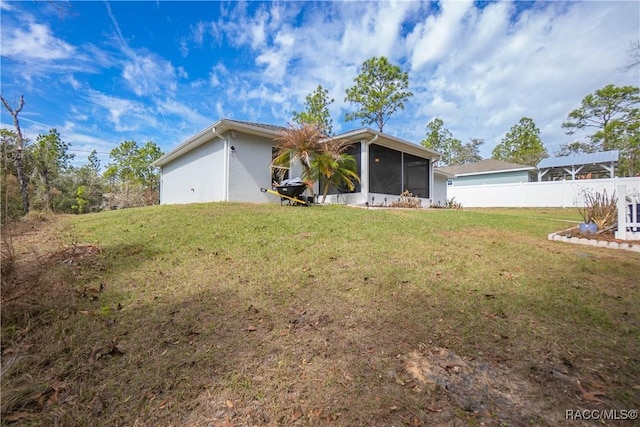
x=537, y=194
x=375, y=199
x=344, y=199
x=492, y=178
x=439, y=189
x=249, y=168
x=198, y=176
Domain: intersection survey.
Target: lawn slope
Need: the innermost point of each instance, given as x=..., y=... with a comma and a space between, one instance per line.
x=240, y=314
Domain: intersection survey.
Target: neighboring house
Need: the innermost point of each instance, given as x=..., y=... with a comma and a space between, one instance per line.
x=229, y=161
x=583, y=166
x=489, y=171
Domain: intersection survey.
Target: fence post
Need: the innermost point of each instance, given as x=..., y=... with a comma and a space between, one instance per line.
x=622, y=212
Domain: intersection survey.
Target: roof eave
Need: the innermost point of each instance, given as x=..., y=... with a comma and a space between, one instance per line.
x=441, y=172
x=358, y=134
x=187, y=145
x=209, y=133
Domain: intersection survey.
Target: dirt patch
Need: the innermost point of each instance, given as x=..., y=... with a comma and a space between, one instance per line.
x=492, y=393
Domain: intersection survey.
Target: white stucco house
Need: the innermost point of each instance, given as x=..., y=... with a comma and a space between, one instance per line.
x=230, y=161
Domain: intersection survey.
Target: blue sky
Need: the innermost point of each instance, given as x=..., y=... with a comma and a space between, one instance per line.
x=105, y=72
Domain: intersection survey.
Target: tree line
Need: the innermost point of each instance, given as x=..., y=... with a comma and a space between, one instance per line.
x=611, y=114
x=40, y=176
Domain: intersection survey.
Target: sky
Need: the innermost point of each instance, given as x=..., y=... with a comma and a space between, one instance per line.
x=102, y=72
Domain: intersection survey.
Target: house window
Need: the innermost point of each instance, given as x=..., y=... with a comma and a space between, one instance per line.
x=278, y=174
x=392, y=172
x=353, y=150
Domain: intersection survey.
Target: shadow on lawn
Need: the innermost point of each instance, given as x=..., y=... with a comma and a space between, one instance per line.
x=378, y=352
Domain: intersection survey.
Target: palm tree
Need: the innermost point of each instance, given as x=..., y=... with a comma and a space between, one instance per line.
x=319, y=157
x=299, y=143
x=335, y=167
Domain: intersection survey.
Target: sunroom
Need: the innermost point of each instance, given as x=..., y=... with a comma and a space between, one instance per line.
x=387, y=167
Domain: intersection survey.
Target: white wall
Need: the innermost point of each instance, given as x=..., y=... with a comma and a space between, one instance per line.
x=197, y=176
x=249, y=168
x=536, y=194
x=439, y=189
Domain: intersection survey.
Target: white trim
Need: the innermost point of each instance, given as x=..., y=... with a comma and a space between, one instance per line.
x=496, y=171
x=390, y=142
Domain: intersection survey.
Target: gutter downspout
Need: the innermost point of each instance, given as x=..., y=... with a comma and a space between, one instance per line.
x=225, y=149
x=364, y=160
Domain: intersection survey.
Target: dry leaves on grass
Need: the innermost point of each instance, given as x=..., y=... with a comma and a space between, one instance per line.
x=589, y=396
x=111, y=349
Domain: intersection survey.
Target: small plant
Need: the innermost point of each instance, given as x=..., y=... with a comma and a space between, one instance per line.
x=452, y=204
x=599, y=208
x=407, y=200
x=448, y=204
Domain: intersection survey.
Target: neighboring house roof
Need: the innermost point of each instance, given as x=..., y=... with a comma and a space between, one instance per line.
x=581, y=159
x=272, y=131
x=482, y=167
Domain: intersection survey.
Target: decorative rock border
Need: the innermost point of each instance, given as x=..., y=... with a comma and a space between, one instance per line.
x=565, y=236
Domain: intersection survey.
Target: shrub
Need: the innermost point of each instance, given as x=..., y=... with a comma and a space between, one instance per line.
x=407, y=200
x=599, y=208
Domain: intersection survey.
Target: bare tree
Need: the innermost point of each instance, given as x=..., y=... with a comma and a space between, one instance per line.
x=20, y=145
x=634, y=57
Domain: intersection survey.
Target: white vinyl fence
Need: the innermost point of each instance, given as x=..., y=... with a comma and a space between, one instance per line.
x=563, y=194
x=628, y=214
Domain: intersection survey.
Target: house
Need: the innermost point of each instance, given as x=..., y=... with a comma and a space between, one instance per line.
x=593, y=165
x=229, y=161
x=489, y=171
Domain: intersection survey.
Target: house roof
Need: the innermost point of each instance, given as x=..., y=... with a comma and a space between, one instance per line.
x=219, y=127
x=438, y=171
x=486, y=166
x=386, y=140
x=272, y=131
x=581, y=159
x=259, y=125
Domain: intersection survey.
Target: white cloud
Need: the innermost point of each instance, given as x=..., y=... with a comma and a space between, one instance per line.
x=184, y=48
x=540, y=64
x=124, y=114
x=479, y=68
x=115, y=23
x=148, y=74
x=6, y=6
x=186, y=113
x=198, y=32
x=217, y=73
x=73, y=82
x=432, y=39
x=36, y=42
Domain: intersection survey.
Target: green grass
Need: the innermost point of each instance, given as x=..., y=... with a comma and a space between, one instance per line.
x=273, y=308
